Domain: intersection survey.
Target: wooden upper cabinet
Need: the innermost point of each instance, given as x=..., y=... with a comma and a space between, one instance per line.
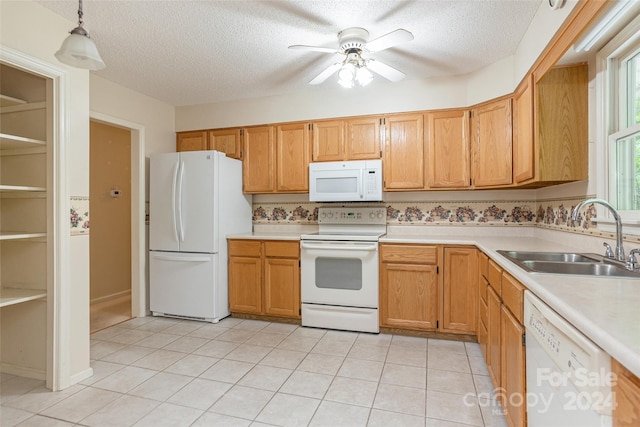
x=292, y=158
x=328, y=141
x=523, y=142
x=228, y=141
x=363, y=138
x=259, y=156
x=448, y=156
x=191, y=141
x=492, y=144
x=404, y=152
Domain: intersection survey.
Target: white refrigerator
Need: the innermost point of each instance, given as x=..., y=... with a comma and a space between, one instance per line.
x=195, y=201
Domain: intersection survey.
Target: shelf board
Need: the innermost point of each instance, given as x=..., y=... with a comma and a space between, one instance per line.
x=13, y=141
x=15, y=235
x=11, y=296
x=20, y=188
x=9, y=101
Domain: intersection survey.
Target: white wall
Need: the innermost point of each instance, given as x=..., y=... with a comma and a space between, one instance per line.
x=35, y=31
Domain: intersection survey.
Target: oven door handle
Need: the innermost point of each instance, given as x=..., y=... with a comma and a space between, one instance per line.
x=329, y=246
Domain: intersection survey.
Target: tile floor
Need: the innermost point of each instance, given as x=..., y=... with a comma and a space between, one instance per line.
x=167, y=372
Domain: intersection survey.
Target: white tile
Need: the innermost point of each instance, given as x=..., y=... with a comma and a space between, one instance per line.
x=12, y=416
x=40, y=421
x=209, y=419
x=230, y=322
x=492, y=413
x=265, y=377
x=380, y=418
x=186, y=344
x=242, y=402
x=125, y=379
x=321, y=364
x=229, y=371
x=124, y=411
x=101, y=369
x=346, y=336
x=159, y=360
x=473, y=349
x=453, y=407
x=208, y=331
x=199, y=393
x=333, y=414
x=307, y=384
x=381, y=340
x=158, y=324
x=108, y=333
x=279, y=358
x=407, y=355
x=395, y=398
x=216, y=348
x=447, y=345
x=161, y=386
x=298, y=343
x=280, y=328
x=332, y=347
x=81, y=404
x=41, y=398
x=248, y=353
x=405, y=375
x=17, y=386
x=446, y=361
x=252, y=325
x=158, y=340
x=288, y=411
x=478, y=365
x=136, y=322
x=416, y=343
x=266, y=339
x=185, y=327
x=192, y=365
x=306, y=332
x=131, y=336
x=169, y=415
x=432, y=422
x=361, y=369
x=352, y=391
x=484, y=385
x=236, y=335
x=368, y=352
x=100, y=349
x=450, y=382
x=128, y=355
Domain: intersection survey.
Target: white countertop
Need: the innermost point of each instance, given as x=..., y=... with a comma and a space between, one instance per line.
x=607, y=310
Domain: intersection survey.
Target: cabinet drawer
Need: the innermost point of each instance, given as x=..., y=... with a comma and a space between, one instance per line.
x=244, y=248
x=482, y=289
x=513, y=296
x=282, y=249
x=409, y=254
x=482, y=313
x=483, y=265
x=494, y=276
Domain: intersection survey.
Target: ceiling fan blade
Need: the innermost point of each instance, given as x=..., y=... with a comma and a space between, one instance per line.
x=389, y=40
x=326, y=74
x=314, y=48
x=385, y=70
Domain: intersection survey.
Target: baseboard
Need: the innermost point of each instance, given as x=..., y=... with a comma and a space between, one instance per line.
x=22, y=371
x=110, y=297
x=80, y=376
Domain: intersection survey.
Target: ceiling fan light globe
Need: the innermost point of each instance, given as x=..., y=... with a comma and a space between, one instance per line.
x=346, y=76
x=363, y=76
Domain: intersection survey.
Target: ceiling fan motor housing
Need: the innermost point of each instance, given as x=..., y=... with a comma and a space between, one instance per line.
x=353, y=38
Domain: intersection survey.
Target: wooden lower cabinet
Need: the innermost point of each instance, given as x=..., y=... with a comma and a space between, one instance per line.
x=264, y=277
x=512, y=373
x=460, y=297
x=493, y=335
x=626, y=389
x=409, y=284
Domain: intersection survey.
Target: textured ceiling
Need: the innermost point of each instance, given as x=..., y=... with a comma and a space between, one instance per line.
x=195, y=52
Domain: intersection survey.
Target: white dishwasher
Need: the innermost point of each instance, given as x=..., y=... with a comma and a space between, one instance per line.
x=568, y=376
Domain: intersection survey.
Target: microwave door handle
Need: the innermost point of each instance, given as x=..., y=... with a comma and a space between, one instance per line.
x=362, y=183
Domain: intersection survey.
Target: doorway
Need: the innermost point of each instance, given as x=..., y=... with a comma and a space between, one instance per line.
x=110, y=235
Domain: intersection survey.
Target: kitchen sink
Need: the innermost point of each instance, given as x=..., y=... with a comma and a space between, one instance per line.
x=568, y=263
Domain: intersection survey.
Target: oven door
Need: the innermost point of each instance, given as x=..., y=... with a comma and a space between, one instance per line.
x=342, y=273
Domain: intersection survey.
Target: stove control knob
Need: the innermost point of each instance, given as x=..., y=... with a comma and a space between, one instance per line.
x=379, y=215
x=323, y=215
x=372, y=214
x=330, y=215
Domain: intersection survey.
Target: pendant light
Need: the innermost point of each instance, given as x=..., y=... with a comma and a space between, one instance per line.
x=78, y=50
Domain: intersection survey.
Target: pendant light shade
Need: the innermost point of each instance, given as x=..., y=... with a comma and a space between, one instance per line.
x=78, y=50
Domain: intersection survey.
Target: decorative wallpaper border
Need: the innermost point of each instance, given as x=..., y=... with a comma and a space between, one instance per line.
x=79, y=215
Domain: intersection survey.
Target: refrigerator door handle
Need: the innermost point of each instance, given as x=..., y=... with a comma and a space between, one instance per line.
x=181, y=258
x=174, y=183
x=180, y=182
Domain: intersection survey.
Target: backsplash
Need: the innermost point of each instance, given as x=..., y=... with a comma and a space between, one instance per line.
x=79, y=215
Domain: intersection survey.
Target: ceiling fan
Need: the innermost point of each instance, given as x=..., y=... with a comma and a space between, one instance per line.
x=355, y=64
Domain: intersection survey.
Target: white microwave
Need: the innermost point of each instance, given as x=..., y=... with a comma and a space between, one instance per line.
x=350, y=181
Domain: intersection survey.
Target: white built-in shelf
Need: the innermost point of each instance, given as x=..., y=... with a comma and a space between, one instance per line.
x=11, y=296
x=20, y=188
x=13, y=142
x=9, y=101
x=15, y=235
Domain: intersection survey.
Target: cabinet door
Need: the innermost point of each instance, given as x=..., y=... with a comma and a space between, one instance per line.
x=493, y=336
x=408, y=296
x=245, y=285
x=363, y=138
x=523, y=148
x=292, y=157
x=228, y=141
x=404, y=152
x=460, y=291
x=328, y=141
x=282, y=287
x=191, y=141
x=626, y=391
x=259, y=155
x=448, y=149
x=512, y=367
x=492, y=159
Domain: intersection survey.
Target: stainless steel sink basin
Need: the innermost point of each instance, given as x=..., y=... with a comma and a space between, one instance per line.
x=568, y=263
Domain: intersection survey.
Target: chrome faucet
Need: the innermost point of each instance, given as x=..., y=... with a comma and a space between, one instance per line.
x=619, y=252
x=632, y=262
